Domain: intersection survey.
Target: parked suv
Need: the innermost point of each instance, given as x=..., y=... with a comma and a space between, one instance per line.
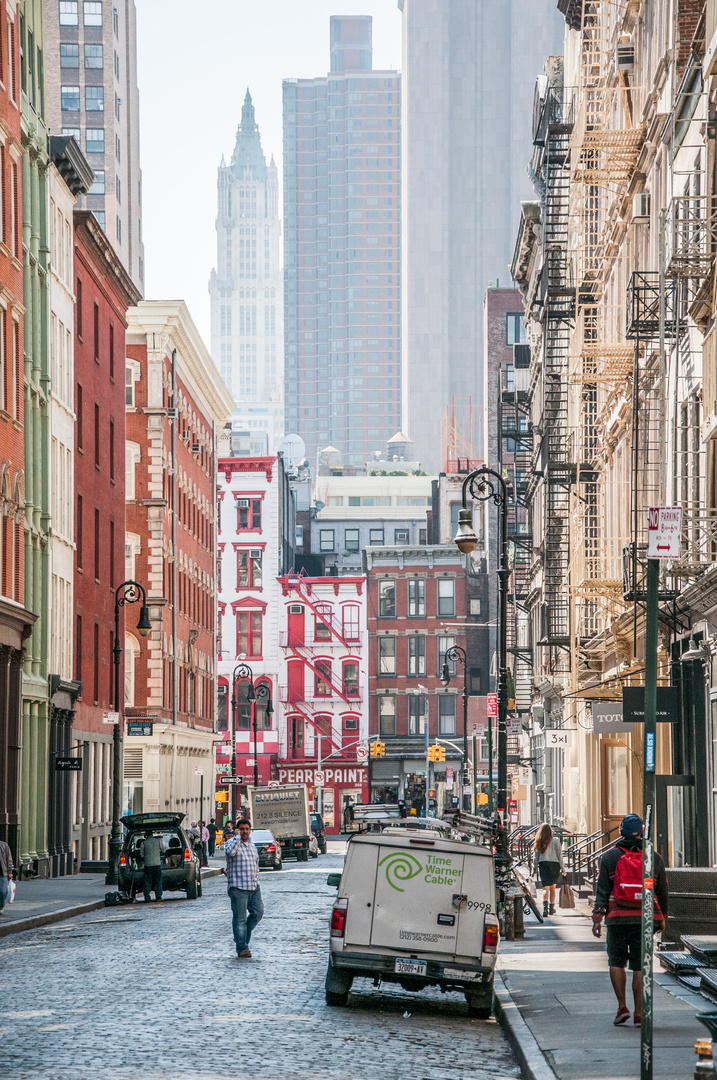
x=319, y=830
x=181, y=868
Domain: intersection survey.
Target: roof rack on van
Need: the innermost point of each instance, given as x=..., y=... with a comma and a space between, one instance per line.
x=470, y=824
x=375, y=812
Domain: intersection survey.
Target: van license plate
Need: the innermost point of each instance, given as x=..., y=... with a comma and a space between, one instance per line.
x=411, y=967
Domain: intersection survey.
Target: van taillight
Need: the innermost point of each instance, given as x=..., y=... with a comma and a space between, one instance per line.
x=338, y=918
x=123, y=859
x=187, y=854
x=491, y=937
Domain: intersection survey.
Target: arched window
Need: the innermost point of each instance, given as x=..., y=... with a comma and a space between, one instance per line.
x=263, y=717
x=351, y=678
x=131, y=652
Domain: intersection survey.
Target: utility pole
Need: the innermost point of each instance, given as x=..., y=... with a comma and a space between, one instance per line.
x=648, y=800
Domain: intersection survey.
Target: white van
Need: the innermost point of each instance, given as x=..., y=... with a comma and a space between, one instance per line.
x=418, y=909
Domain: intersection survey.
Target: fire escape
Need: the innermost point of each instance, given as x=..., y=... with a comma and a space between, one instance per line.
x=515, y=448
x=311, y=645
x=552, y=457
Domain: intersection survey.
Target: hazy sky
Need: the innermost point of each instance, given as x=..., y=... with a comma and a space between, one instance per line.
x=195, y=63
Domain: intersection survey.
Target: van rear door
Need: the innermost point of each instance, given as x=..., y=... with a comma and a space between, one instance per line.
x=414, y=899
x=360, y=872
x=479, y=891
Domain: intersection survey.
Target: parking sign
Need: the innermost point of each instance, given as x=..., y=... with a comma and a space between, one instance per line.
x=664, y=529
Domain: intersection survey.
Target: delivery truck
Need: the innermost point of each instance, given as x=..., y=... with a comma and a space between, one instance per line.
x=416, y=908
x=284, y=810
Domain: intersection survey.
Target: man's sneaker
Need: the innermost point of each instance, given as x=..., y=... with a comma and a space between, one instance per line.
x=621, y=1016
x=245, y=954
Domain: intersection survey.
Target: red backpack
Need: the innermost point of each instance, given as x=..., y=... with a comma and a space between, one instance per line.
x=627, y=886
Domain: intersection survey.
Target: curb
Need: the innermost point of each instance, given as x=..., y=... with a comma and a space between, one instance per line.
x=532, y=1061
x=35, y=921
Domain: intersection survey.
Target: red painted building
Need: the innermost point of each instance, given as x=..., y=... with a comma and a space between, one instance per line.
x=103, y=293
x=176, y=403
x=15, y=621
x=417, y=609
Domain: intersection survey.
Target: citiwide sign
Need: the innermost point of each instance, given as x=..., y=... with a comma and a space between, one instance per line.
x=339, y=775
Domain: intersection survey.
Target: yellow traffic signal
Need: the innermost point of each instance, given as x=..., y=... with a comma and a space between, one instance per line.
x=378, y=749
x=482, y=798
x=436, y=753
x=440, y=753
x=431, y=753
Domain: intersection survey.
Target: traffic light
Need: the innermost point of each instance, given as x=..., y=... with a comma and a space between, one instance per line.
x=431, y=753
x=378, y=749
x=440, y=753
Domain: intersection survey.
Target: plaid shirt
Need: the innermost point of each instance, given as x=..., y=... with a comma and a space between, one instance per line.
x=242, y=864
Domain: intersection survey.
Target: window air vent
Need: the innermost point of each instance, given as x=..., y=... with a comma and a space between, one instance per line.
x=641, y=206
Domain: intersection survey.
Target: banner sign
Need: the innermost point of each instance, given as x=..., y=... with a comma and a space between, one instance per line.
x=608, y=718
x=668, y=704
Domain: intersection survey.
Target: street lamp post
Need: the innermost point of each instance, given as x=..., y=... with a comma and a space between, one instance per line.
x=457, y=653
x=129, y=592
x=241, y=671
x=486, y=485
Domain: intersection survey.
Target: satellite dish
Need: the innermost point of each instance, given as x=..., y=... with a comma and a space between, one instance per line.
x=294, y=450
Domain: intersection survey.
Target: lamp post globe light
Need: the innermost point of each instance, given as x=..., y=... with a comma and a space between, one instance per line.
x=456, y=653
x=486, y=485
x=129, y=592
x=255, y=695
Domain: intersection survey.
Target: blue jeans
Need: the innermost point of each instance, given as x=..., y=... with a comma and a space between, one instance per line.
x=153, y=881
x=247, y=910
x=4, y=890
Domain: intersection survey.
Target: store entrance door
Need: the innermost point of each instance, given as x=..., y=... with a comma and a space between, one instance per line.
x=615, y=789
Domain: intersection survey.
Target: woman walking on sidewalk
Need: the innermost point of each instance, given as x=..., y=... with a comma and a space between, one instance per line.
x=547, y=865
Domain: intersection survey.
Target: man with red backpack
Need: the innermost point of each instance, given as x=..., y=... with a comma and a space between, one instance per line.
x=618, y=898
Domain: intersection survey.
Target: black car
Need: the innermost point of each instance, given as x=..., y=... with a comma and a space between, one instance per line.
x=181, y=867
x=319, y=830
x=266, y=845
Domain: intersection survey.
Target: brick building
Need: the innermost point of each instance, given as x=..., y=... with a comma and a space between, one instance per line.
x=15, y=620
x=323, y=714
x=103, y=293
x=176, y=403
x=418, y=608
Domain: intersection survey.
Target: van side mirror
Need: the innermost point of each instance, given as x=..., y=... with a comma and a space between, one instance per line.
x=334, y=880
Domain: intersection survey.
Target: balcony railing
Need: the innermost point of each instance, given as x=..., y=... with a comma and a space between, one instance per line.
x=288, y=694
x=287, y=640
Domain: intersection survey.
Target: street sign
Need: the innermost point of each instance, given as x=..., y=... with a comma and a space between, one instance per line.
x=492, y=704
x=110, y=717
x=139, y=727
x=198, y=770
x=68, y=764
x=361, y=753
x=319, y=778
x=513, y=726
x=559, y=737
x=664, y=529
x=449, y=774
x=231, y=779
x=668, y=704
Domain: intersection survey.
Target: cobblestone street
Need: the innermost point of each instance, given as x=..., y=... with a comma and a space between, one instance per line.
x=156, y=992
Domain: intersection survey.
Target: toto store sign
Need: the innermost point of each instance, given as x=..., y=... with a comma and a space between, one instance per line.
x=608, y=718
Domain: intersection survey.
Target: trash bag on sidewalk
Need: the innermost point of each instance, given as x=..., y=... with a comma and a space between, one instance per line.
x=567, y=898
x=113, y=899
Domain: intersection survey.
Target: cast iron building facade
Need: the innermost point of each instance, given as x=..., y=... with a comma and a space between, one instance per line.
x=341, y=249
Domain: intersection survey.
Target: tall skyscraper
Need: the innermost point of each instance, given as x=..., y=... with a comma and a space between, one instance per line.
x=341, y=249
x=246, y=287
x=469, y=69
x=91, y=93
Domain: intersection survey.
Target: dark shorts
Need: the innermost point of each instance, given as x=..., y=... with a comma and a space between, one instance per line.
x=623, y=944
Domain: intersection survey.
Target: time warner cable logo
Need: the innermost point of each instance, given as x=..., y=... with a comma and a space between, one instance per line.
x=400, y=866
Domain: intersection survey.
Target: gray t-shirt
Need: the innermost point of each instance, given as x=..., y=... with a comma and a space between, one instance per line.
x=152, y=846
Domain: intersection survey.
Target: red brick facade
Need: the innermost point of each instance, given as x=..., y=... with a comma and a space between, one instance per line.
x=103, y=293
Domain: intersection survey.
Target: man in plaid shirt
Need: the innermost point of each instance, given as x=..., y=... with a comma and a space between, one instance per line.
x=243, y=886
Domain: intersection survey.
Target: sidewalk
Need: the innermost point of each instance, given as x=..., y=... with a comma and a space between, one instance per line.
x=47, y=900
x=557, y=980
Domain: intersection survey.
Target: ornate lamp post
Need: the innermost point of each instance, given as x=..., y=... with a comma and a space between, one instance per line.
x=241, y=671
x=129, y=592
x=262, y=692
x=486, y=485
x=457, y=653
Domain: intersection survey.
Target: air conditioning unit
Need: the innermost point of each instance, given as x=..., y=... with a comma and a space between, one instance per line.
x=196, y=448
x=242, y=504
x=296, y=609
x=641, y=206
x=625, y=56
x=350, y=724
x=255, y=553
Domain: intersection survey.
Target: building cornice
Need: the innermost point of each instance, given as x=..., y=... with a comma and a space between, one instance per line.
x=170, y=319
x=246, y=465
